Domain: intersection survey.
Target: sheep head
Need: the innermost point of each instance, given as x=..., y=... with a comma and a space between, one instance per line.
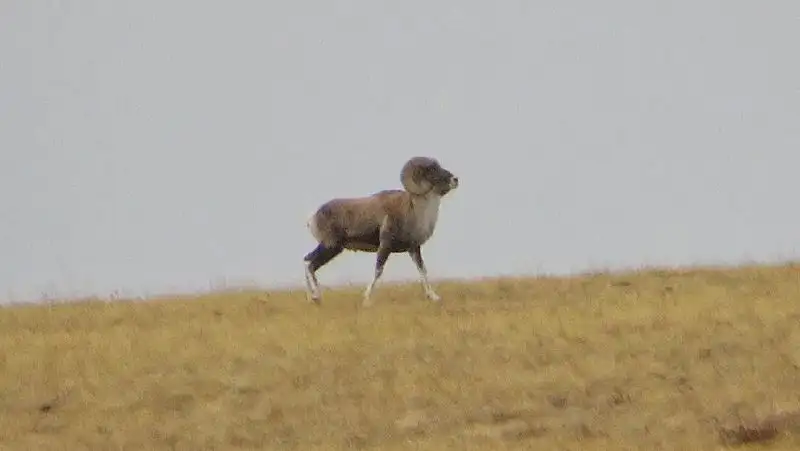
x=423, y=175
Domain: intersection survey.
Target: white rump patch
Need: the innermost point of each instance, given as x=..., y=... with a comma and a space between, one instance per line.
x=312, y=226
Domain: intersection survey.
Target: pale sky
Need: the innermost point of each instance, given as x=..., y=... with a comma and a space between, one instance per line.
x=150, y=147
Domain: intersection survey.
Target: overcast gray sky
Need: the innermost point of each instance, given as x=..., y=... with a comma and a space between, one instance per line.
x=152, y=146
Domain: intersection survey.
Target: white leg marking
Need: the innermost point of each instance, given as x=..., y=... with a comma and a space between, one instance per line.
x=429, y=293
x=368, y=292
x=312, y=285
x=416, y=256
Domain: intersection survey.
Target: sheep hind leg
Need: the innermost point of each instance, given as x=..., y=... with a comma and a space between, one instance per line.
x=315, y=260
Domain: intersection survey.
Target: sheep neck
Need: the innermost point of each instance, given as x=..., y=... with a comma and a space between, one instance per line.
x=424, y=214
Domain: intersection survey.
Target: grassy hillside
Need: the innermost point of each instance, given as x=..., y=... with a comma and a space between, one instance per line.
x=697, y=359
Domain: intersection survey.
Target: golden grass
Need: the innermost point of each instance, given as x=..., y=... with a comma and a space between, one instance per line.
x=644, y=360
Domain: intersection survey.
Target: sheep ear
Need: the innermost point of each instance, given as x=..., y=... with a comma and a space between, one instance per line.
x=413, y=176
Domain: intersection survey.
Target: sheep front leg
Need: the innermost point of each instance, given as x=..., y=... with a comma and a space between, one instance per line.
x=380, y=262
x=386, y=237
x=416, y=255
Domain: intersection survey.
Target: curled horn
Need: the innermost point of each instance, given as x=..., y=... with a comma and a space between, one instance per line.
x=413, y=175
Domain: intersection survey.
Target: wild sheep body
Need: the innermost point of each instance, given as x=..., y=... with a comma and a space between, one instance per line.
x=389, y=221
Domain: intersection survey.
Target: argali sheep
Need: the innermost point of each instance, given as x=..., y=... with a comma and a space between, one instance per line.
x=389, y=221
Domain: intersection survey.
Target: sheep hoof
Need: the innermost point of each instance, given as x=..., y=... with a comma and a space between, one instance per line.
x=433, y=297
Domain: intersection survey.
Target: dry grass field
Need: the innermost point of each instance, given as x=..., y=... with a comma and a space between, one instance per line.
x=694, y=359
